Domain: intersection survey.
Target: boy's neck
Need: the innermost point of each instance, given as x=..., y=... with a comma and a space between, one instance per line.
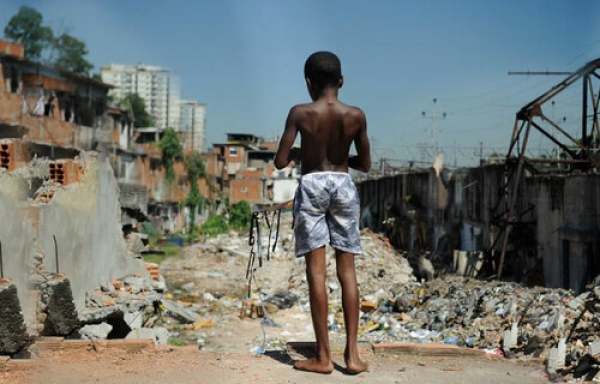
x=328, y=94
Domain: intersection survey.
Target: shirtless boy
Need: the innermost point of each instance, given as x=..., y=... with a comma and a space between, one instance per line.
x=326, y=205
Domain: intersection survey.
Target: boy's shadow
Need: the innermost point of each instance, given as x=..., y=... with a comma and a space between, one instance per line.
x=297, y=354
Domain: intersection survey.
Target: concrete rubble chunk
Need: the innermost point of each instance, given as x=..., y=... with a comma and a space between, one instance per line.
x=95, y=331
x=595, y=348
x=13, y=332
x=62, y=314
x=136, y=243
x=179, y=313
x=137, y=284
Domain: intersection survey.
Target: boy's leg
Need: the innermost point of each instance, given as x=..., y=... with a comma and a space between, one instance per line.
x=316, y=273
x=347, y=277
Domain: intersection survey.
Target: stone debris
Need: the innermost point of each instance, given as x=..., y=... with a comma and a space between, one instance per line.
x=178, y=312
x=397, y=303
x=57, y=302
x=95, y=331
x=208, y=288
x=13, y=333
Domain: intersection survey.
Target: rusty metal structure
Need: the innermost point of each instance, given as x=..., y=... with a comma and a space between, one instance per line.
x=577, y=155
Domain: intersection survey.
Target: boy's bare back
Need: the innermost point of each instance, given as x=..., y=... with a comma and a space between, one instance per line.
x=327, y=130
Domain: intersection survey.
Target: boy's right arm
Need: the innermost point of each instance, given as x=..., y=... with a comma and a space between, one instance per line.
x=362, y=161
x=282, y=157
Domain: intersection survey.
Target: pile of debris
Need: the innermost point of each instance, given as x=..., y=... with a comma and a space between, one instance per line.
x=206, y=288
x=503, y=318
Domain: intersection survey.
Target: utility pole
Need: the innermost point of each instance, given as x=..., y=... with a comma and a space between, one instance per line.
x=434, y=117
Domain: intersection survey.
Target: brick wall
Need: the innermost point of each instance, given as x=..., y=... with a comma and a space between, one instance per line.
x=13, y=155
x=13, y=49
x=66, y=171
x=246, y=189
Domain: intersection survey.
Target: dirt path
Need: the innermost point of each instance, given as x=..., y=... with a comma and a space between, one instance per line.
x=188, y=365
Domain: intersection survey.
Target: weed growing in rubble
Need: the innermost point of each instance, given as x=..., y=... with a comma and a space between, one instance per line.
x=176, y=342
x=240, y=214
x=215, y=225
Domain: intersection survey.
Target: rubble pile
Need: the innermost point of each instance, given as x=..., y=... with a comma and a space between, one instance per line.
x=205, y=291
x=503, y=318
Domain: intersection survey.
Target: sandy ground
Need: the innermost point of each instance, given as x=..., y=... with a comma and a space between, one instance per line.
x=226, y=357
x=188, y=365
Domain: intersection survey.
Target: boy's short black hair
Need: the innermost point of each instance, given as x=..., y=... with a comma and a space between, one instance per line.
x=323, y=69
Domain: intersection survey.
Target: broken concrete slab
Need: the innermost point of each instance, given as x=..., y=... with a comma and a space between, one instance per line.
x=179, y=313
x=95, y=331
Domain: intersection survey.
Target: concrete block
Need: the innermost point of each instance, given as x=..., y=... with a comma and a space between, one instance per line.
x=131, y=344
x=561, y=353
x=428, y=349
x=47, y=343
x=13, y=332
x=95, y=331
x=179, y=313
x=552, y=360
x=3, y=361
x=595, y=348
x=77, y=344
x=506, y=340
x=62, y=314
x=20, y=365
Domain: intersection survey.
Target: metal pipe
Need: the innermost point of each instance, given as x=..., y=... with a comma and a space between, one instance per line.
x=56, y=254
x=1, y=265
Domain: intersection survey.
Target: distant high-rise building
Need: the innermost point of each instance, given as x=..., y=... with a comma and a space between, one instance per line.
x=157, y=86
x=192, y=121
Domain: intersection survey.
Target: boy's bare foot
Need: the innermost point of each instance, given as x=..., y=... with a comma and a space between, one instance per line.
x=314, y=365
x=354, y=365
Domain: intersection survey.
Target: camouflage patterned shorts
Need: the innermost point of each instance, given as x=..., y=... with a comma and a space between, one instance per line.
x=326, y=211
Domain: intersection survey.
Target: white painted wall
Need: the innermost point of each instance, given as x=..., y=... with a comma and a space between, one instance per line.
x=16, y=236
x=284, y=190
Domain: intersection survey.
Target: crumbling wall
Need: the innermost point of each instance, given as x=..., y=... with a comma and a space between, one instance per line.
x=413, y=208
x=568, y=229
x=16, y=239
x=85, y=218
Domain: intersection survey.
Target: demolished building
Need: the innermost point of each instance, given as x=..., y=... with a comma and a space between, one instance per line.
x=59, y=198
x=535, y=220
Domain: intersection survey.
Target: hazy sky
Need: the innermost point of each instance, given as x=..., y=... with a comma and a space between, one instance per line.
x=245, y=58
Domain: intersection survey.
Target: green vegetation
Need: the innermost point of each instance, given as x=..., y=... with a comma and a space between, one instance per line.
x=165, y=250
x=71, y=52
x=137, y=106
x=176, y=342
x=215, y=225
x=240, y=215
x=171, y=151
x=195, y=169
x=26, y=28
x=63, y=51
